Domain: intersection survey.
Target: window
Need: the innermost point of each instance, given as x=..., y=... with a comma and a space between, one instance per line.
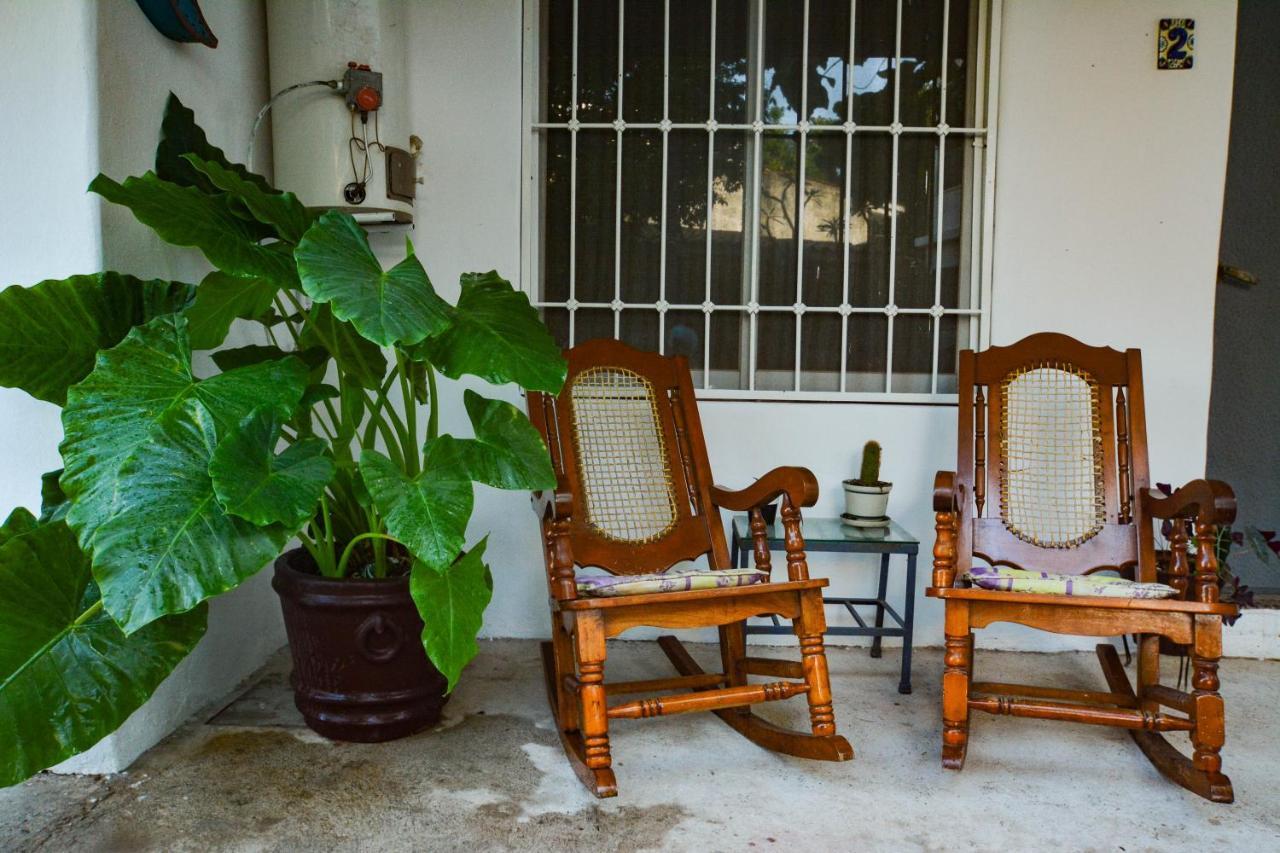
x=791, y=193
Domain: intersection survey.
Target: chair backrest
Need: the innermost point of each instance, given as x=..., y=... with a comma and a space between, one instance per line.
x=1053, y=451
x=627, y=444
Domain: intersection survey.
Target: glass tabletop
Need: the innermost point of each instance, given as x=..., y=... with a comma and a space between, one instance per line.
x=818, y=530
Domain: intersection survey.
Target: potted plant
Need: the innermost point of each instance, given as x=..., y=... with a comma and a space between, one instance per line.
x=866, y=498
x=177, y=487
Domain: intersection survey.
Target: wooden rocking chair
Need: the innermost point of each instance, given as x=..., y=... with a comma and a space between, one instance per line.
x=1053, y=478
x=634, y=497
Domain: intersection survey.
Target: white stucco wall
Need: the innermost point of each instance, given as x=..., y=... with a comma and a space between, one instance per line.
x=105, y=73
x=49, y=227
x=1109, y=193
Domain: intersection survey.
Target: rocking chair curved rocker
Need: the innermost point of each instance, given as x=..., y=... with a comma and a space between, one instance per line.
x=1053, y=478
x=634, y=497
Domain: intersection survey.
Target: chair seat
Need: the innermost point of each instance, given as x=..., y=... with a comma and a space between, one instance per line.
x=1178, y=605
x=1006, y=579
x=677, y=580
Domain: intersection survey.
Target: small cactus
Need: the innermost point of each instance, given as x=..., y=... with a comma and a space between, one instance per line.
x=870, y=473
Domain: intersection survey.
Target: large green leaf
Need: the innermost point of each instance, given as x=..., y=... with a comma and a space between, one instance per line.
x=68, y=674
x=507, y=452
x=254, y=483
x=180, y=135
x=229, y=359
x=497, y=335
x=357, y=358
x=169, y=545
x=451, y=602
x=53, y=501
x=134, y=385
x=184, y=216
x=220, y=300
x=428, y=513
x=337, y=267
x=50, y=332
x=282, y=211
x=20, y=521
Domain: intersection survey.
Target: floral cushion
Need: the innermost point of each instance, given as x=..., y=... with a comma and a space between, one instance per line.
x=1109, y=586
x=675, y=580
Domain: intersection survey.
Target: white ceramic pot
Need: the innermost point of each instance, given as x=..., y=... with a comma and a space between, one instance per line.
x=866, y=501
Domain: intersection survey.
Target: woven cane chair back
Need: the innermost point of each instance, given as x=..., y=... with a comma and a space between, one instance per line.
x=624, y=471
x=1053, y=452
x=627, y=445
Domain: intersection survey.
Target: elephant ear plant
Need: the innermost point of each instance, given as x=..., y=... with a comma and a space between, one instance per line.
x=177, y=486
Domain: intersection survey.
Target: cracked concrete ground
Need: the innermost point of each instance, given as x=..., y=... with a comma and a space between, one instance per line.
x=492, y=776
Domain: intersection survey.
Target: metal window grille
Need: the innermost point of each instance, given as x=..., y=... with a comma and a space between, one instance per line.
x=809, y=287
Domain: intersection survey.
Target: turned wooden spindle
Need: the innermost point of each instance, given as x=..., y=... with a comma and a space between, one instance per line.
x=944, y=550
x=1179, y=567
x=980, y=451
x=760, y=541
x=957, y=659
x=1206, y=561
x=563, y=584
x=814, y=661
x=1123, y=459
x=589, y=640
x=1207, y=737
x=793, y=540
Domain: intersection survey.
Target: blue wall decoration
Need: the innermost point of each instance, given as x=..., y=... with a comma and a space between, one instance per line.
x=180, y=20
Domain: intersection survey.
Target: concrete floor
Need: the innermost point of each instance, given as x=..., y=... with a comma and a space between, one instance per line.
x=492, y=776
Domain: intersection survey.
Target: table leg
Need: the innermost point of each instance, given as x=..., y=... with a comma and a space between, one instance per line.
x=908, y=618
x=883, y=591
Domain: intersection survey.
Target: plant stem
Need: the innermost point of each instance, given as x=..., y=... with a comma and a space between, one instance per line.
x=411, y=452
x=323, y=562
x=328, y=526
x=91, y=611
x=433, y=422
x=346, y=552
x=284, y=317
x=297, y=306
x=389, y=437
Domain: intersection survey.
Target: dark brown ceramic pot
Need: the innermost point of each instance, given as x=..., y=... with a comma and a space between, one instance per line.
x=359, y=670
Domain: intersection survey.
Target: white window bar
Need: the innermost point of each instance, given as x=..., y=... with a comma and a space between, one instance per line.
x=618, y=126
x=942, y=184
x=755, y=84
x=977, y=220
x=800, y=187
x=891, y=309
x=707, y=305
x=662, y=214
x=845, y=221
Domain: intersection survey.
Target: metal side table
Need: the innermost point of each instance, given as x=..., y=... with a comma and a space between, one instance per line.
x=829, y=534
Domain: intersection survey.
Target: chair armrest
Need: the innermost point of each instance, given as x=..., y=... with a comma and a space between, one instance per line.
x=798, y=485
x=945, y=495
x=1208, y=504
x=800, y=488
x=1205, y=501
x=948, y=506
x=555, y=509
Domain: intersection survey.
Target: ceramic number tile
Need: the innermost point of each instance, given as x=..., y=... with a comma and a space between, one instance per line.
x=1175, y=44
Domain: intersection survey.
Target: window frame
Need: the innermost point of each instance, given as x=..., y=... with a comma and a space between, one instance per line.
x=980, y=200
